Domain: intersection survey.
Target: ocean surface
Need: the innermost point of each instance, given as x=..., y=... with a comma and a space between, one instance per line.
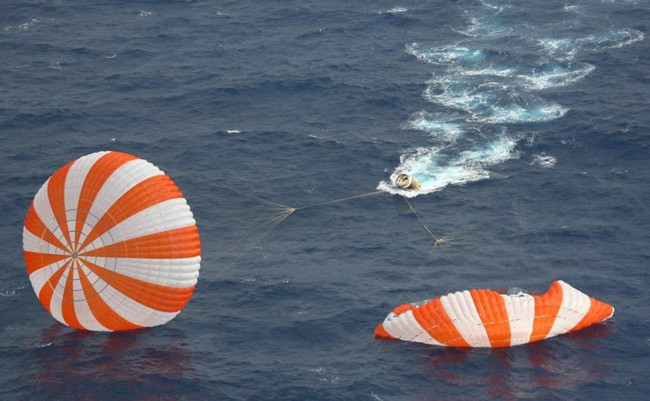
x=527, y=123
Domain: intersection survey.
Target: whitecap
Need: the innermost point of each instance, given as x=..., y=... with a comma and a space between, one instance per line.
x=544, y=160
x=55, y=65
x=435, y=169
x=29, y=24
x=145, y=13
x=233, y=131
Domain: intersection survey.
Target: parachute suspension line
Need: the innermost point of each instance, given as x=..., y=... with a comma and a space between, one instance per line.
x=236, y=242
x=237, y=191
x=338, y=200
x=437, y=240
x=263, y=230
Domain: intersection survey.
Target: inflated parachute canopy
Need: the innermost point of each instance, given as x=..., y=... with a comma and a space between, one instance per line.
x=110, y=244
x=485, y=318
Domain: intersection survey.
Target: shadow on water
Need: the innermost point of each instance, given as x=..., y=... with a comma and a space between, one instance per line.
x=529, y=371
x=141, y=364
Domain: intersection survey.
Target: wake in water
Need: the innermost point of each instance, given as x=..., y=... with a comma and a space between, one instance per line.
x=493, y=78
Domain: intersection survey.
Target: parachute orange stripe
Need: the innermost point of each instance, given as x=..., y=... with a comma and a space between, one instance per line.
x=103, y=313
x=103, y=168
x=494, y=315
x=154, y=296
x=69, y=314
x=147, y=193
x=598, y=311
x=35, y=260
x=434, y=319
x=56, y=195
x=546, y=309
x=45, y=295
x=381, y=332
x=35, y=225
x=173, y=244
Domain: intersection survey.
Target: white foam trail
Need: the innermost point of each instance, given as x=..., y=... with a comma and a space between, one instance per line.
x=478, y=27
x=444, y=55
x=435, y=170
x=440, y=128
x=494, y=71
x=567, y=48
x=491, y=102
x=550, y=75
x=514, y=114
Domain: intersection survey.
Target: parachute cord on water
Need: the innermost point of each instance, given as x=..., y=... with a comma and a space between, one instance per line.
x=437, y=240
x=437, y=243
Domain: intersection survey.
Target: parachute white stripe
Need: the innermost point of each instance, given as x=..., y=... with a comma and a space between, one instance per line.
x=574, y=307
x=406, y=327
x=164, y=216
x=178, y=273
x=74, y=182
x=56, y=303
x=32, y=243
x=121, y=181
x=461, y=310
x=521, y=316
x=126, y=307
x=81, y=308
x=39, y=277
x=43, y=209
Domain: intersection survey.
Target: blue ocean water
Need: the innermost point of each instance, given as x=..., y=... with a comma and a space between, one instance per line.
x=527, y=123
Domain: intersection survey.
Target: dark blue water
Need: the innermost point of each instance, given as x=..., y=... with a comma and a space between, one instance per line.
x=527, y=123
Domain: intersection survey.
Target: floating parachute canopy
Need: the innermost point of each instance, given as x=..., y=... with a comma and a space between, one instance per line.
x=485, y=318
x=110, y=244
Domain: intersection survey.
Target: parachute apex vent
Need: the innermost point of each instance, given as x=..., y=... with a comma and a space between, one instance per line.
x=408, y=182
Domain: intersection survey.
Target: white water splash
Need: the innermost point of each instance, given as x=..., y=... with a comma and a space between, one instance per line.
x=435, y=169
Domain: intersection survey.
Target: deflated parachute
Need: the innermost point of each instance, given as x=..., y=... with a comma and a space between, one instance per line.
x=110, y=244
x=485, y=318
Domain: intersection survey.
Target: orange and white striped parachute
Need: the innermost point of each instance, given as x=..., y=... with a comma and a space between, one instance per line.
x=110, y=244
x=485, y=318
